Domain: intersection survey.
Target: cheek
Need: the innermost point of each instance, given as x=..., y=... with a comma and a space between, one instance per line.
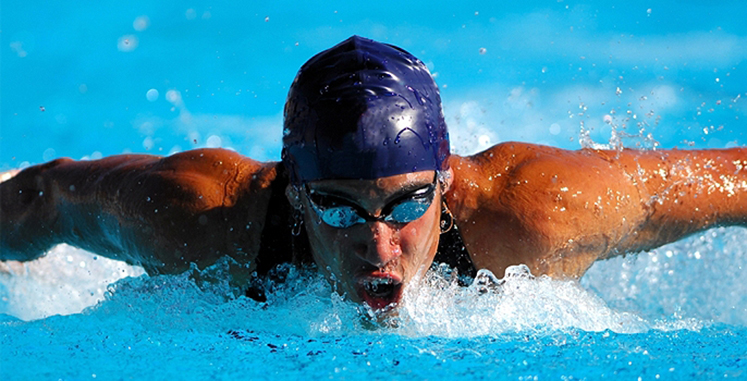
x=330, y=248
x=419, y=239
x=321, y=241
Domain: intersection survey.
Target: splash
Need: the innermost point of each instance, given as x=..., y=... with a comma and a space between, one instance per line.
x=696, y=279
x=518, y=302
x=300, y=302
x=685, y=285
x=620, y=138
x=63, y=282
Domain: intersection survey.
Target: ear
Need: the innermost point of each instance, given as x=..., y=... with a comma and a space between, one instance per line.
x=294, y=197
x=447, y=178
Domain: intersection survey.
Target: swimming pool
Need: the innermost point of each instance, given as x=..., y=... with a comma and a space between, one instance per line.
x=95, y=80
x=160, y=327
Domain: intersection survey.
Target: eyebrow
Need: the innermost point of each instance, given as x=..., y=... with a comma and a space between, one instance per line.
x=402, y=192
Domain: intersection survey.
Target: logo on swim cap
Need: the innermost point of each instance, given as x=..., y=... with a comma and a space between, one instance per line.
x=363, y=110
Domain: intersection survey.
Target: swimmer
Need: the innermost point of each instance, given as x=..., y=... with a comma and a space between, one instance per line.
x=368, y=190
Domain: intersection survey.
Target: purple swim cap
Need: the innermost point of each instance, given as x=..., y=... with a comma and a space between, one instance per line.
x=363, y=110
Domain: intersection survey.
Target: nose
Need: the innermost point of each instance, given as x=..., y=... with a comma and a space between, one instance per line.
x=380, y=245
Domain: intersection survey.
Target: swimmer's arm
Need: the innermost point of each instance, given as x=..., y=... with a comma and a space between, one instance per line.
x=684, y=192
x=558, y=211
x=161, y=213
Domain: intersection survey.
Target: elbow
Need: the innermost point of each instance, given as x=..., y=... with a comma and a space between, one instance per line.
x=28, y=218
x=16, y=246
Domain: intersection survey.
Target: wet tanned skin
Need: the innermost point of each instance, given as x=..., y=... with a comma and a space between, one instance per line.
x=161, y=213
x=374, y=250
x=555, y=210
x=558, y=211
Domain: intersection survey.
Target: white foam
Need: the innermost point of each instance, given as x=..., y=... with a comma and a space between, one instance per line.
x=700, y=278
x=679, y=286
x=518, y=302
x=65, y=281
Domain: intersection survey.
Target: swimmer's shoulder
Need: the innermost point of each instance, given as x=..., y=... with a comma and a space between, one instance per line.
x=505, y=154
x=161, y=212
x=219, y=163
x=203, y=178
x=202, y=204
x=489, y=171
x=254, y=201
x=501, y=199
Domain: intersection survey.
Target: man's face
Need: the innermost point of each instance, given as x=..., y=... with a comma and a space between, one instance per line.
x=372, y=261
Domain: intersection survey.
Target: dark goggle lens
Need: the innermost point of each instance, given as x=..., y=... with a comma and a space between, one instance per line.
x=409, y=210
x=345, y=216
x=340, y=216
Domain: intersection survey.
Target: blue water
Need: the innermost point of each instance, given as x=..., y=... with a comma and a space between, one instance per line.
x=167, y=326
x=89, y=80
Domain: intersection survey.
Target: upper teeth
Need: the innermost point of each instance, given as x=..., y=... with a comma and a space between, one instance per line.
x=380, y=281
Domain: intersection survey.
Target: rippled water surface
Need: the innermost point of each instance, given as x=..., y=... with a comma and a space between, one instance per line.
x=670, y=312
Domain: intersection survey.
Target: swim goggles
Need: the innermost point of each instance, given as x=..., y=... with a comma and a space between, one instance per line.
x=340, y=213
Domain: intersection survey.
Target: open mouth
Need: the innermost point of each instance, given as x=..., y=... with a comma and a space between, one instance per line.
x=380, y=292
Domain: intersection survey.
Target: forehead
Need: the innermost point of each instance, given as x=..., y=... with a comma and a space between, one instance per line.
x=381, y=187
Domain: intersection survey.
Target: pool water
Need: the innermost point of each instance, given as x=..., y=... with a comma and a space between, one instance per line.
x=634, y=318
x=86, y=81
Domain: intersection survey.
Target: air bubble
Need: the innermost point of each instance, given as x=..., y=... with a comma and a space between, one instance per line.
x=127, y=43
x=141, y=23
x=151, y=95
